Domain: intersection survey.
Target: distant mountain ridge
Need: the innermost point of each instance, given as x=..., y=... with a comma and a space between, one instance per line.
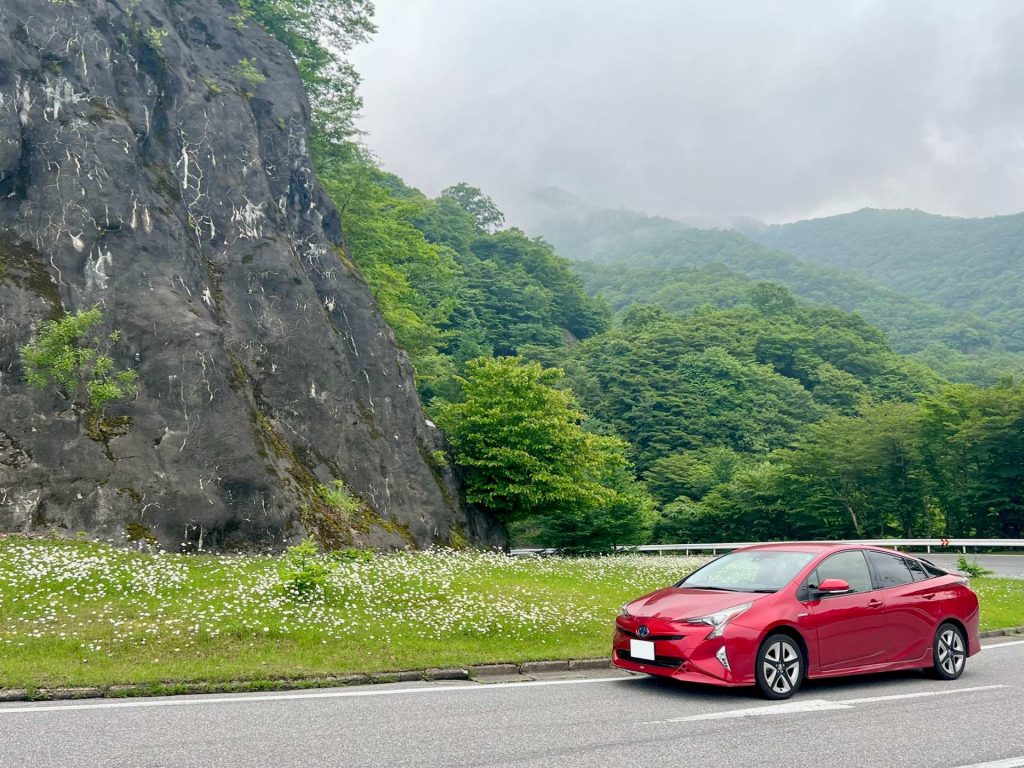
x=630, y=257
x=974, y=265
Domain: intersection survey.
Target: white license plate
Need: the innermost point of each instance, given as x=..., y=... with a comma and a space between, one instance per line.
x=641, y=649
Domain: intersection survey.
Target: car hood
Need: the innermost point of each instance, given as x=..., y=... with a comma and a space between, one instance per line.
x=681, y=603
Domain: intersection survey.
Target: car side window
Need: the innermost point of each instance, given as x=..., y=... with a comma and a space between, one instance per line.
x=891, y=570
x=917, y=570
x=848, y=566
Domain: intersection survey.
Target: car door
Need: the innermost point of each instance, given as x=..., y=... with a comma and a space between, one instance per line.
x=909, y=606
x=847, y=628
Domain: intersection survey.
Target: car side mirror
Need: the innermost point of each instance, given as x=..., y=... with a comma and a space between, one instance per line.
x=833, y=587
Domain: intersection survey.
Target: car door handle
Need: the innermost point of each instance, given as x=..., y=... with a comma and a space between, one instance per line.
x=929, y=596
x=875, y=603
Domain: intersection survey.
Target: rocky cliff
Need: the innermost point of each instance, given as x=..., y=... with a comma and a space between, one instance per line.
x=153, y=161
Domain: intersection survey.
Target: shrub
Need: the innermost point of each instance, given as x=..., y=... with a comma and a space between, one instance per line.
x=303, y=572
x=337, y=496
x=71, y=356
x=351, y=555
x=972, y=569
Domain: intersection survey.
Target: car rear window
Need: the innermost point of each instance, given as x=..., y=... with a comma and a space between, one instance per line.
x=917, y=570
x=890, y=570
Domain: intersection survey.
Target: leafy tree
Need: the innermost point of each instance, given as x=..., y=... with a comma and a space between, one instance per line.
x=320, y=34
x=526, y=458
x=72, y=355
x=974, y=444
x=693, y=474
x=478, y=205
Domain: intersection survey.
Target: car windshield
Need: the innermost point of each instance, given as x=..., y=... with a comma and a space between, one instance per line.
x=765, y=570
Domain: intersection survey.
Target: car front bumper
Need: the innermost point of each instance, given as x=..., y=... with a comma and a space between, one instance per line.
x=685, y=652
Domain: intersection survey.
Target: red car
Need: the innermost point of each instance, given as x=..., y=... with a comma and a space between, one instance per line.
x=773, y=614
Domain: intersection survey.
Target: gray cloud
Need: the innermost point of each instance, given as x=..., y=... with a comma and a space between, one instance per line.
x=779, y=109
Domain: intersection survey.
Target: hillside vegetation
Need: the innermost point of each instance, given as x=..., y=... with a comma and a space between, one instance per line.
x=974, y=265
x=629, y=257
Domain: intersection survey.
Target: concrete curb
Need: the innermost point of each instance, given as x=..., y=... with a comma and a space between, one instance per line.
x=473, y=672
x=481, y=671
x=1002, y=632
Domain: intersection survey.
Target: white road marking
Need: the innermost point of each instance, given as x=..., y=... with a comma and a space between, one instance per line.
x=1009, y=762
x=812, y=705
x=947, y=692
x=254, y=699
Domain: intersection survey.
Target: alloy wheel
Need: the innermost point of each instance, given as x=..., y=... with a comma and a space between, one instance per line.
x=950, y=652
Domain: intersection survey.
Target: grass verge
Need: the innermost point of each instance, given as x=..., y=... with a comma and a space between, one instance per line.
x=78, y=613
x=86, y=614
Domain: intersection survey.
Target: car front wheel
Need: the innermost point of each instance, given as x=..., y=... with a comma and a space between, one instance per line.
x=949, y=652
x=780, y=667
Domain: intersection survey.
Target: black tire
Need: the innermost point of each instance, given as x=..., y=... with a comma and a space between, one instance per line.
x=949, y=652
x=780, y=667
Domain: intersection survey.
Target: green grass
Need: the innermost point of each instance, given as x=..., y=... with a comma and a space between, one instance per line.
x=1002, y=602
x=87, y=614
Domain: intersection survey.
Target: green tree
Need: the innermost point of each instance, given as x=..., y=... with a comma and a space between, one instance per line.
x=974, y=442
x=72, y=356
x=320, y=34
x=478, y=205
x=526, y=458
x=861, y=476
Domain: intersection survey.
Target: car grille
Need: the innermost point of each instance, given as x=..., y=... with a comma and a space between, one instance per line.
x=668, y=662
x=649, y=637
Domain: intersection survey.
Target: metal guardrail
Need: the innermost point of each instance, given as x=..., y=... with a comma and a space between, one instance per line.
x=926, y=544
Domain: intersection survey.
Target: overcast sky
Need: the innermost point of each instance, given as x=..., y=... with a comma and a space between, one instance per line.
x=777, y=109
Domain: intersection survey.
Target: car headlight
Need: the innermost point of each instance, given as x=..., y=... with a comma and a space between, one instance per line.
x=623, y=611
x=720, y=619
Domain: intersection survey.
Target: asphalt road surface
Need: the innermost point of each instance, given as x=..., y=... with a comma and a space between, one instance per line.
x=606, y=719
x=1005, y=566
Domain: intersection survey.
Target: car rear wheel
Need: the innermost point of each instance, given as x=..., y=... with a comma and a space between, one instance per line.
x=780, y=667
x=949, y=652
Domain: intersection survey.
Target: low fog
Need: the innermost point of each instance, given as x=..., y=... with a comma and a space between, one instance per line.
x=777, y=110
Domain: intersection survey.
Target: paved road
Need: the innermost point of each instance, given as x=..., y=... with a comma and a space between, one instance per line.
x=614, y=720
x=1005, y=566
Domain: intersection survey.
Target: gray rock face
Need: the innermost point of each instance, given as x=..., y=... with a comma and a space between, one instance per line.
x=145, y=168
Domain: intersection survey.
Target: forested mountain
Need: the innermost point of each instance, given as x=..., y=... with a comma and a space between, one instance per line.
x=452, y=285
x=628, y=257
x=748, y=378
x=974, y=265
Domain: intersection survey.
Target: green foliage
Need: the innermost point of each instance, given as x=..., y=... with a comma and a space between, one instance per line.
x=302, y=571
x=526, y=458
x=968, y=265
x=155, y=37
x=630, y=258
x=350, y=555
x=450, y=290
x=247, y=71
x=320, y=34
x=975, y=452
x=736, y=378
x=478, y=205
x=972, y=569
x=72, y=356
x=337, y=496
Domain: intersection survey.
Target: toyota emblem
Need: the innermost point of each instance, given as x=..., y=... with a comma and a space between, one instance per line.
x=643, y=632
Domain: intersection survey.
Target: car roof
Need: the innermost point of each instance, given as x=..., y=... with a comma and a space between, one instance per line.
x=808, y=546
